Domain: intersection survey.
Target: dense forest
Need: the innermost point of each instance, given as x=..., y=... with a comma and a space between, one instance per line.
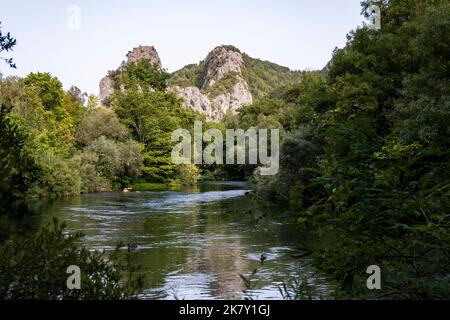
x=365, y=159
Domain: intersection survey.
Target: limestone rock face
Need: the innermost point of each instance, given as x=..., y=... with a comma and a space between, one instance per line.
x=106, y=88
x=210, y=98
x=222, y=87
x=215, y=108
x=220, y=62
x=147, y=53
x=239, y=96
x=196, y=100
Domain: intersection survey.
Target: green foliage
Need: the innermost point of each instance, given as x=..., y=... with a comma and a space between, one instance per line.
x=266, y=113
x=143, y=75
x=57, y=176
x=48, y=88
x=188, y=174
x=90, y=179
x=264, y=76
x=35, y=267
x=222, y=86
x=100, y=122
x=49, y=136
x=297, y=290
x=92, y=102
x=17, y=171
x=7, y=42
x=75, y=149
x=231, y=48
x=368, y=167
x=188, y=76
x=106, y=161
x=152, y=116
x=261, y=76
x=73, y=103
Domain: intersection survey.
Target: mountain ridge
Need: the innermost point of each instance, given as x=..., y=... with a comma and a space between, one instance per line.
x=226, y=80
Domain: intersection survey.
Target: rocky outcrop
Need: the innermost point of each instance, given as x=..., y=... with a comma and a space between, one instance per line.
x=147, y=53
x=238, y=96
x=222, y=88
x=106, y=88
x=220, y=62
x=214, y=108
x=196, y=100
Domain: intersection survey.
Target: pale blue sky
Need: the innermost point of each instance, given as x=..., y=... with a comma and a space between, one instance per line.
x=299, y=34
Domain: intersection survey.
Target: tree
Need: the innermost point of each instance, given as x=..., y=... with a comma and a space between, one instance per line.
x=75, y=93
x=385, y=163
x=152, y=116
x=17, y=170
x=143, y=75
x=100, y=122
x=371, y=173
x=49, y=89
x=35, y=267
x=188, y=174
x=113, y=162
x=73, y=103
x=7, y=42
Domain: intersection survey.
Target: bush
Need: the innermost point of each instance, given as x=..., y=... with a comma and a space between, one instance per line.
x=108, y=155
x=17, y=170
x=188, y=174
x=91, y=180
x=108, y=161
x=35, y=267
x=58, y=176
x=100, y=122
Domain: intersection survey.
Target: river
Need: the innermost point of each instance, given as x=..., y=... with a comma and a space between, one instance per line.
x=193, y=243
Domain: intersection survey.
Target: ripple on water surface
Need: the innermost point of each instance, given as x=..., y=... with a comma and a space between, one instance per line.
x=192, y=244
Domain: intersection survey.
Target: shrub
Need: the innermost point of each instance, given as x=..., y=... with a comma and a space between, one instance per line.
x=35, y=267
x=188, y=174
x=100, y=122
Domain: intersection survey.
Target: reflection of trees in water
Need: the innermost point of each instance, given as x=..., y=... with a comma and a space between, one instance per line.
x=213, y=239
x=224, y=259
x=224, y=263
x=202, y=244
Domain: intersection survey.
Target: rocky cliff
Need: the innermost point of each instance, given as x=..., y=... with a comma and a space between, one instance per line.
x=223, y=82
x=220, y=88
x=227, y=80
x=148, y=53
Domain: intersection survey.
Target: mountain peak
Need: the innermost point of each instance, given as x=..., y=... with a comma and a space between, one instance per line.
x=224, y=81
x=147, y=53
x=220, y=62
x=228, y=47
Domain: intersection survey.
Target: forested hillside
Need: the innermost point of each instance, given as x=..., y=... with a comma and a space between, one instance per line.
x=261, y=76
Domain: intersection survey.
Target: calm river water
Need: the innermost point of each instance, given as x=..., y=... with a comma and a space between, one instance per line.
x=194, y=243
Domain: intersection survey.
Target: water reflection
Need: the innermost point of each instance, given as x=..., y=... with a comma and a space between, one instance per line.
x=192, y=244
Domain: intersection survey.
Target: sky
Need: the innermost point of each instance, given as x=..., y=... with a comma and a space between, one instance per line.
x=79, y=41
